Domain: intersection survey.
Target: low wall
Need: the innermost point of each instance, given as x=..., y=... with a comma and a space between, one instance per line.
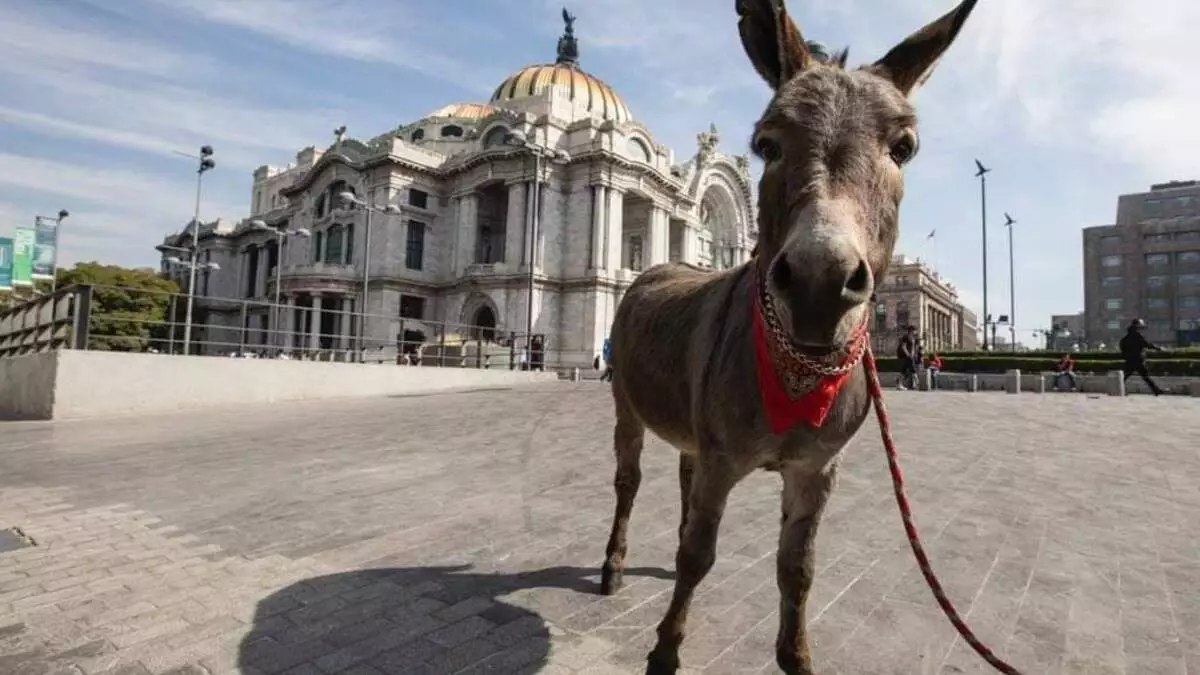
x=73, y=384
x=27, y=386
x=1087, y=384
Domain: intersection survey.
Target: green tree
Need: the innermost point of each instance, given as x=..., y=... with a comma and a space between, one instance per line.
x=129, y=306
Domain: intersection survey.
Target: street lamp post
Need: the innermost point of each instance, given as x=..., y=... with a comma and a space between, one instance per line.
x=206, y=164
x=352, y=199
x=539, y=152
x=1012, y=292
x=281, y=237
x=192, y=266
x=37, y=221
x=981, y=174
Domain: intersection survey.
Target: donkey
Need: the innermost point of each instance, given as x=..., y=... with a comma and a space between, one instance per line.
x=755, y=367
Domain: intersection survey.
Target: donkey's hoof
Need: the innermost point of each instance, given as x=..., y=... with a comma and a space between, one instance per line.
x=658, y=667
x=610, y=581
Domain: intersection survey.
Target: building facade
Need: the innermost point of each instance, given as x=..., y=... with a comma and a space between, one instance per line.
x=553, y=178
x=913, y=293
x=1068, y=332
x=1146, y=265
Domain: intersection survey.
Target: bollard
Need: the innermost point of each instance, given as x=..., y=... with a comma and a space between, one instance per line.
x=1115, y=383
x=574, y=374
x=973, y=383
x=926, y=381
x=1041, y=384
x=1012, y=382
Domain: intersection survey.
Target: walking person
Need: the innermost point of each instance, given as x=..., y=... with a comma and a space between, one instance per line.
x=1133, y=350
x=909, y=354
x=606, y=356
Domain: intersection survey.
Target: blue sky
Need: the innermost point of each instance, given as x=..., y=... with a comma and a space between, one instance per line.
x=1071, y=103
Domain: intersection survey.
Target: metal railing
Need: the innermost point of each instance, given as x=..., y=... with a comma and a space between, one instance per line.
x=112, y=318
x=48, y=322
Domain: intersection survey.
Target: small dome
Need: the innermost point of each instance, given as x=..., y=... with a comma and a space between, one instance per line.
x=464, y=111
x=578, y=85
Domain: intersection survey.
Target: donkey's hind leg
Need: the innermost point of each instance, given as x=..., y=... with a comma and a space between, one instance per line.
x=628, y=437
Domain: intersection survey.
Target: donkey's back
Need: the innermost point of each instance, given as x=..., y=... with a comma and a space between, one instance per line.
x=659, y=348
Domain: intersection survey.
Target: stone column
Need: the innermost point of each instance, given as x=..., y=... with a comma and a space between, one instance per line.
x=468, y=215
x=347, y=319
x=614, y=229
x=243, y=271
x=539, y=234
x=596, y=259
x=288, y=339
x=690, y=252
x=314, y=323
x=260, y=284
x=514, y=224
x=657, y=237
x=454, y=219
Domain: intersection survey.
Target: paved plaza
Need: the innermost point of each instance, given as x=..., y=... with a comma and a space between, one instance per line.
x=462, y=533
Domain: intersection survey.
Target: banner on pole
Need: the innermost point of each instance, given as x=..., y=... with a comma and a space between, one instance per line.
x=6, y=263
x=22, y=270
x=45, y=245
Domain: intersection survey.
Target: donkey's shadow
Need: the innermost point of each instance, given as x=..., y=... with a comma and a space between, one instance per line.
x=409, y=620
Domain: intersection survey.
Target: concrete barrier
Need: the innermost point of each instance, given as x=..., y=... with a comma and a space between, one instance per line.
x=72, y=384
x=1012, y=382
x=1115, y=382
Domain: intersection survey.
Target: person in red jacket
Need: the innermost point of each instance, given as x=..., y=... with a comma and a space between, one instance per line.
x=934, y=366
x=1065, y=370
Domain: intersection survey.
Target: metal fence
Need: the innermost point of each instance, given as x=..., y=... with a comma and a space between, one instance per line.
x=112, y=318
x=48, y=322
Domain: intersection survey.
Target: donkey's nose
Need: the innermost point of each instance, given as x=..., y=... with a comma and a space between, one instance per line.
x=858, y=286
x=839, y=286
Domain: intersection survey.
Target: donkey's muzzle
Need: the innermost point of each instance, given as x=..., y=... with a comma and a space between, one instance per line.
x=818, y=292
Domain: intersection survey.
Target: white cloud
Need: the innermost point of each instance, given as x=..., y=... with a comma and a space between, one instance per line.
x=117, y=216
x=394, y=33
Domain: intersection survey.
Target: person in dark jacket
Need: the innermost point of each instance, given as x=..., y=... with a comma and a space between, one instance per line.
x=1133, y=351
x=908, y=352
x=606, y=355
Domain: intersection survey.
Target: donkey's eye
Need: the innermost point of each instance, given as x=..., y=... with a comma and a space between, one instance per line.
x=903, y=149
x=767, y=148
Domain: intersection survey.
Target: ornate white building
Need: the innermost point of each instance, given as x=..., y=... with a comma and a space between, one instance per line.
x=463, y=203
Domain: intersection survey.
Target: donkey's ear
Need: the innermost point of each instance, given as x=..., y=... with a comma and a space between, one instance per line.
x=910, y=63
x=771, y=40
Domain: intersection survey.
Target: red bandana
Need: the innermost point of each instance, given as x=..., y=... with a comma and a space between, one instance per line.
x=795, y=390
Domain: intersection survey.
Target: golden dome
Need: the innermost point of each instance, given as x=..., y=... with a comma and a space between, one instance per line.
x=600, y=98
x=468, y=111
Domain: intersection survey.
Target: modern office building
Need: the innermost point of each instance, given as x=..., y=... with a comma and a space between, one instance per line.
x=913, y=293
x=1146, y=265
x=553, y=177
x=1068, y=332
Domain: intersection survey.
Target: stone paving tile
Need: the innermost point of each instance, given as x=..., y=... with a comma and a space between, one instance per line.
x=461, y=533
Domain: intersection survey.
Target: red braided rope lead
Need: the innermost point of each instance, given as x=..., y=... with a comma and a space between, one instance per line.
x=910, y=527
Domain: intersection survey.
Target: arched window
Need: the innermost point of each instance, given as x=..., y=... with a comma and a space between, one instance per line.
x=317, y=239
x=418, y=134
x=495, y=137
x=333, y=245
x=637, y=150
x=348, y=243
x=452, y=131
x=319, y=206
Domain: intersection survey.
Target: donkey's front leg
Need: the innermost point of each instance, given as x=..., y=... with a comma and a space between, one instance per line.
x=710, y=486
x=805, y=494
